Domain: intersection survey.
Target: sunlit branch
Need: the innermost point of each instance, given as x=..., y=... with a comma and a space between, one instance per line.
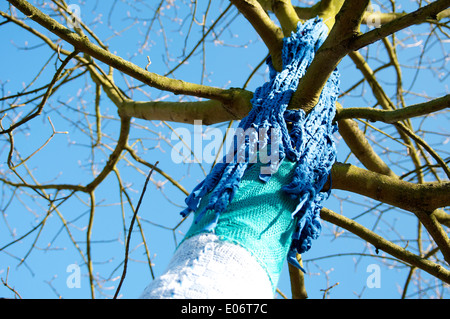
x=393, y=116
x=390, y=190
x=83, y=44
x=286, y=15
x=329, y=55
x=385, y=245
x=209, y=111
x=360, y=146
x=430, y=11
x=264, y=26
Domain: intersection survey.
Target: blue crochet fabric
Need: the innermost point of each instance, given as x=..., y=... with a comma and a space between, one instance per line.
x=308, y=142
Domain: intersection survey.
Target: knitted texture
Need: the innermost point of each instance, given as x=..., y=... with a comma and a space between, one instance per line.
x=204, y=267
x=259, y=218
x=306, y=153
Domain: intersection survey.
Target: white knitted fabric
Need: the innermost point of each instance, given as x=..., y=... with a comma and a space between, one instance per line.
x=205, y=267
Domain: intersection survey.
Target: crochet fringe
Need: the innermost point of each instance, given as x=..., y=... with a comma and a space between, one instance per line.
x=308, y=142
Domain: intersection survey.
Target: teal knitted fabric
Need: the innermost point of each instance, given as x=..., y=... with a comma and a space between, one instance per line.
x=246, y=205
x=258, y=218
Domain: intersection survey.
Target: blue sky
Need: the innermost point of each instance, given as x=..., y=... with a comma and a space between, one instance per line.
x=336, y=259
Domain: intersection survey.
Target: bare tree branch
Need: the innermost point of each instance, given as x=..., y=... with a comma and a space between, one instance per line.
x=209, y=111
x=329, y=55
x=390, y=190
x=130, y=229
x=286, y=15
x=385, y=245
x=37, y=111
x=393, y=116
x=267, y=30
x=430, y=11
x=360, y=146
x=83, y=44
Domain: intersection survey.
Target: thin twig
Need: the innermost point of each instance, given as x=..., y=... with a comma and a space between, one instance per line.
x=5, y=283
x=130, y=231
x=425, y=145
x=326, y=291
x=39, y=108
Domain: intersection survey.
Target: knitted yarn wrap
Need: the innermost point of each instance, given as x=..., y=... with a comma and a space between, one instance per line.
x=308, y=142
